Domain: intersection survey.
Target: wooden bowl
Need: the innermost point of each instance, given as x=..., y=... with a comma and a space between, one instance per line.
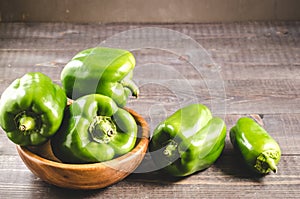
x=42, y=163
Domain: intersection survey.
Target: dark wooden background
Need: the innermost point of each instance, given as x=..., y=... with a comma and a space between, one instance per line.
x=256, y=67
x=154, y=11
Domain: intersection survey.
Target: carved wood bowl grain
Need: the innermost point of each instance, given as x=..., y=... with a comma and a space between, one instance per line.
x=41, y=161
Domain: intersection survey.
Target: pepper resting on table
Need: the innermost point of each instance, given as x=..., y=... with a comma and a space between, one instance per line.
x=106, y=71
x=188, y=141
x=31, y=109
x=259, y=150
x=94, y=129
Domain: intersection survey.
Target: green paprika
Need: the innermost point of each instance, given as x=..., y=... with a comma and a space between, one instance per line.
x=31, y=109
x=94, y=129
x=259, y=150
x=189, y=140
x=106, y=71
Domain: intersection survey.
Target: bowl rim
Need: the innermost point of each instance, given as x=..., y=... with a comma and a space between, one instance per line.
x=141, y=145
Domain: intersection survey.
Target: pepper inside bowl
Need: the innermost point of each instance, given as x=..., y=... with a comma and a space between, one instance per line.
x=42, y=162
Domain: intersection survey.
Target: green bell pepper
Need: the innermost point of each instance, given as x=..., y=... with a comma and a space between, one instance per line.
x=31, y=109
x=188, y=141
x=94, y=129
x=259, y=150
x=105, y=71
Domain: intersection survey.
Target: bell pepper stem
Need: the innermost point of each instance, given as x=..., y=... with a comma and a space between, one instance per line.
x=265, y=162
x=26, y=123
x=271, y=164
x=128, y=83
x=102, y=129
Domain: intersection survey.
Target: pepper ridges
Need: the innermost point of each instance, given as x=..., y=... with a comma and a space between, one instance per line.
x=188, y=141
x=259, y=150
x=94, y=129
x=31, y=109
x=99, y=70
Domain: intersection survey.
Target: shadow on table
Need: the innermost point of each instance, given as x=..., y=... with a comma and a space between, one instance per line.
x=58, y=192
x=230, y=164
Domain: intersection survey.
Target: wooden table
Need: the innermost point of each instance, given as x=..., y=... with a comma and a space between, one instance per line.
x=242, y=69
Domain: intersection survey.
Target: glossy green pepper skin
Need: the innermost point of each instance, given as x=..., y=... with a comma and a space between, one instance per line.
x=94, y=129
x=105, y=71
x=31, y=109
x=259, y=150
x=188, y=141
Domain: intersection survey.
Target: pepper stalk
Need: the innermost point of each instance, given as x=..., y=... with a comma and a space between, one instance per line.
x=102, y=129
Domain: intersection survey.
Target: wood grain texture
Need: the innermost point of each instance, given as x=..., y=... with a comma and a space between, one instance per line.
x=258, y=72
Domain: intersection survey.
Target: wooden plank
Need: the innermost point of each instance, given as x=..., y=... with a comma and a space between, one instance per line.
x=252, y=71
x=233, y=55
x=277, y=42
x=242, y=97
x=49, y=60
x=204, y=30
x=224, y=177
